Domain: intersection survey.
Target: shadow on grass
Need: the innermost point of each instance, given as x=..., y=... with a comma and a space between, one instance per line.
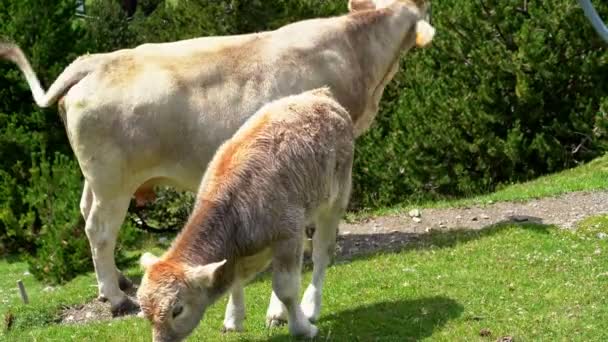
x=404, y=320
x=356, y=246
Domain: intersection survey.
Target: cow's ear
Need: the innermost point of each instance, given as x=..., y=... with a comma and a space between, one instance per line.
x=424, y=33
x=147, y=260
x=204, y=275
x=361, y=5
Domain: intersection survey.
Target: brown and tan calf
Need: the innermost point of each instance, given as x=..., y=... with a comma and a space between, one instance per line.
x=157, y=113
x=287, y=167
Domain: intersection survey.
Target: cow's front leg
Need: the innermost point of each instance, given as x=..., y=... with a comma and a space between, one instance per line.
x=235, y=309
x=103, y=223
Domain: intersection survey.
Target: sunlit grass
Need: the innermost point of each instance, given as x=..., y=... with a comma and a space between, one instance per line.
x=532, y=282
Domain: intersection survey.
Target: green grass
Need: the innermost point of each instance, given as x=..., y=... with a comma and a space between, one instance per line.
x=587, y=177
x=532, y=282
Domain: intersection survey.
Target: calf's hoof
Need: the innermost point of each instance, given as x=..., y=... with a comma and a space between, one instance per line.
x=124, y=283
x=125, y=307
x=229, y=328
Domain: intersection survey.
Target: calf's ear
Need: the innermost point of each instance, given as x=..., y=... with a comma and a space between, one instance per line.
x=424, y=33
x=204, y=275
x=147, y=260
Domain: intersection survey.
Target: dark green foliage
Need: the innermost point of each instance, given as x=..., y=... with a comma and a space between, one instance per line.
x=61, y=248
x=44, y=29
x=503, y=94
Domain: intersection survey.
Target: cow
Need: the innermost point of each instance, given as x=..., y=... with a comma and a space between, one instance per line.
x=155, y=114
x=288, y=166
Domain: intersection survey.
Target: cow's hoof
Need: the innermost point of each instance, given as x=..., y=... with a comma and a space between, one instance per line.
x=307, y=331
x=102, y=299
x=124, y=283
x=125, y=307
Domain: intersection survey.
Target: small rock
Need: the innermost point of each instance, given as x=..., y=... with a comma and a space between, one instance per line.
x=485, y=332
x=89, y=315
x=442, y=224
x=485, y=217
x=602, y=236
x=417, y=219
x=458, y=217
x=346, y=232
x=490, y=202
x=414, y=213
x=26, y=273
x=48, y=289
x=520, y=218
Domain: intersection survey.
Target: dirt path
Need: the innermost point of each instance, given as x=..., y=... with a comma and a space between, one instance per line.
x=395, y=231
x=390, y=232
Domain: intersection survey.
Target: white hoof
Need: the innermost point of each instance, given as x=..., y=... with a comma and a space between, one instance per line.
x=232, y=327
x=311, y=304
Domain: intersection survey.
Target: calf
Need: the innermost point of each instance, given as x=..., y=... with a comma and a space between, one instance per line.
x=288, y=166
x=155, y=114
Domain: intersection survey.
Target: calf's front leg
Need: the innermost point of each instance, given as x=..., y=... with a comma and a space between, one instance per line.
x=235, y=309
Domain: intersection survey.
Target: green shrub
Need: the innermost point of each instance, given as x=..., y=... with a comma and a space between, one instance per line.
x=62, y=250
x=504, y=94
x=44, y=29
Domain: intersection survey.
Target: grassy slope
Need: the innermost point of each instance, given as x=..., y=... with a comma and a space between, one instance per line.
x=532, y=282
x=587, y=177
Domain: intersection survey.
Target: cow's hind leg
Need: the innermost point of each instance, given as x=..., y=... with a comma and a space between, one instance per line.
x=323, y=247
x=86, y=202
x=287, y=268
x=235, y=309
x=104, y=221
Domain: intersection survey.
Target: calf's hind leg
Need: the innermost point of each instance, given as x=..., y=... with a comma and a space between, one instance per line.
x=323, y=247
x=286, y=279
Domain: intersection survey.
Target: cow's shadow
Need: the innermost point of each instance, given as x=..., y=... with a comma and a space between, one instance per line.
x=402, y=320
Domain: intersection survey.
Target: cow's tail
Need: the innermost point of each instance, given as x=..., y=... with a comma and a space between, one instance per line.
x=70, y=76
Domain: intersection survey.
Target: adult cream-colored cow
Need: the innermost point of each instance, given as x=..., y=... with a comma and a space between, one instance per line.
x=156, y=114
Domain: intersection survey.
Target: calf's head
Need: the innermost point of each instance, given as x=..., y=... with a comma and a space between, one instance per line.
x=174, y=296
x=420, y=10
